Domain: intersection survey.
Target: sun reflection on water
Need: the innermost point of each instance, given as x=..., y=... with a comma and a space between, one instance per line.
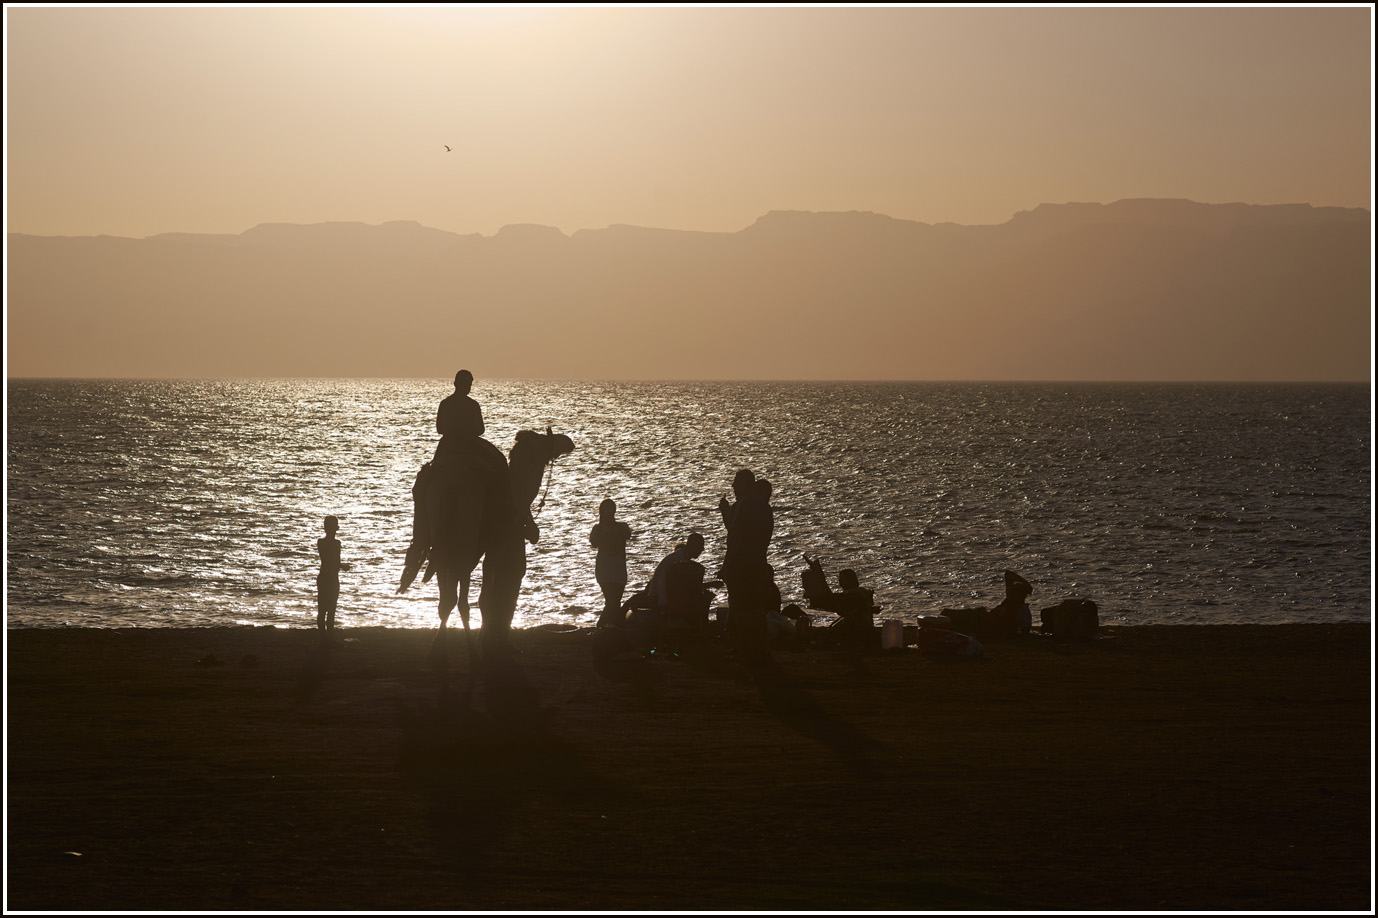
x=199, y=503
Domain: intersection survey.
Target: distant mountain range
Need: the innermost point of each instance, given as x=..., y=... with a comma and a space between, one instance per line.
x=1134, y=290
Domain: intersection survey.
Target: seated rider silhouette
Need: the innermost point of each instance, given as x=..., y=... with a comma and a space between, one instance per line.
x=459, y=419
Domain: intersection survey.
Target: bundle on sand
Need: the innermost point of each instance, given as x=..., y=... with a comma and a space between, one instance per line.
x=1170, y=768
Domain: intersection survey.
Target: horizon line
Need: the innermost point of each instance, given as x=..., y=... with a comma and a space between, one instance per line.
x=588, y=229
x=449, y=380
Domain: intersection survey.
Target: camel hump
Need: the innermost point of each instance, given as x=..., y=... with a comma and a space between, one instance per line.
x=473, y=457
x=472, y=466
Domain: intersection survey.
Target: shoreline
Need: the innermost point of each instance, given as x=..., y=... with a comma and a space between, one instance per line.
x=1208, y=767
x=307, y=623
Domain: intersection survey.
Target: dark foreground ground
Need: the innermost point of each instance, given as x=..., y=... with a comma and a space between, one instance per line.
x=1166, y=768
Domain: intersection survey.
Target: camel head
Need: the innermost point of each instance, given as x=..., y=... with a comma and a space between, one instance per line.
x=541, y=448
x=560, y=445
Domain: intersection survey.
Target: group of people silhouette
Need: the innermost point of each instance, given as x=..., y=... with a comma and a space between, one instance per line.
x=677, y=599
x=678, y=595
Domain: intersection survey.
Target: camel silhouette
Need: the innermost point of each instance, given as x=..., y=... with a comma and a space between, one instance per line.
x=478, y=510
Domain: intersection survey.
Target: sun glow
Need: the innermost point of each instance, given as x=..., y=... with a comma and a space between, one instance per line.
x=136, y=121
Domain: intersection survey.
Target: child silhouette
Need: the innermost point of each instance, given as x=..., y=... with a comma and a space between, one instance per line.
x=328, y=580
x=610, y=537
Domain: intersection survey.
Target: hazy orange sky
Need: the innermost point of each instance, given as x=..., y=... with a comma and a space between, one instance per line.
x=137, y=121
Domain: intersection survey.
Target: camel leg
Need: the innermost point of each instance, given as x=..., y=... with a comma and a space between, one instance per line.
x=463, y=603
x=439, y=656
x=503, y=568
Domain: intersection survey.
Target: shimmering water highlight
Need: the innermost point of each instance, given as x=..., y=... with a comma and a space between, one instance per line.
x=186, y=503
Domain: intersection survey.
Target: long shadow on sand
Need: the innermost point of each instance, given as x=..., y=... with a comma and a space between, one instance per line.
x=312, y=673
x=481, y=772
x=791, y=703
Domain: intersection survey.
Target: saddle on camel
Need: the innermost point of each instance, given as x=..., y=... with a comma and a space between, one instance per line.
x=470, y=473
x=473, y=459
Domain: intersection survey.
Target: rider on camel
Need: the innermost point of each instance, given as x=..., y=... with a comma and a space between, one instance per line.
x=459, y=421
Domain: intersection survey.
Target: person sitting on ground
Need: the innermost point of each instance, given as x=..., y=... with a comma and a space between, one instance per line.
x=856, y=609
x=817, y=593
x=1012, y=613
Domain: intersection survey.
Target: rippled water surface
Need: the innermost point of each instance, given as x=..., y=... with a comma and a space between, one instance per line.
x=192, y=503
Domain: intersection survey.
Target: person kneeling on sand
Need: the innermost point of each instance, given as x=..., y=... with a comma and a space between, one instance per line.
x=654, y=595
x=687, y=598
x=676, y=592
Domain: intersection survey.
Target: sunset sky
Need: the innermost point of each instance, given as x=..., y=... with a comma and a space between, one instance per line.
x=137, y=121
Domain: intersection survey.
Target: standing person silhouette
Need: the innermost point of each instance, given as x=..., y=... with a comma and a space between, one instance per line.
x=749, y=523
x=764, y=489
x=328, y=580
x=610, y=537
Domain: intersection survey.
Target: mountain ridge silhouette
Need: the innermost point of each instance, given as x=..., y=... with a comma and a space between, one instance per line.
x=1140, y=289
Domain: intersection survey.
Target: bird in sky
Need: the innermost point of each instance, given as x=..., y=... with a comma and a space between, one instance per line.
x=447, y=148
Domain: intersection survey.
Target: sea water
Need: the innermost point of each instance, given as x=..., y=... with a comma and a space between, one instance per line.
x=198, y=503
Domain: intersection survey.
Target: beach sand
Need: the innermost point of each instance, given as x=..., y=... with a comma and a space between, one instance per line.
x=1165, y=768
